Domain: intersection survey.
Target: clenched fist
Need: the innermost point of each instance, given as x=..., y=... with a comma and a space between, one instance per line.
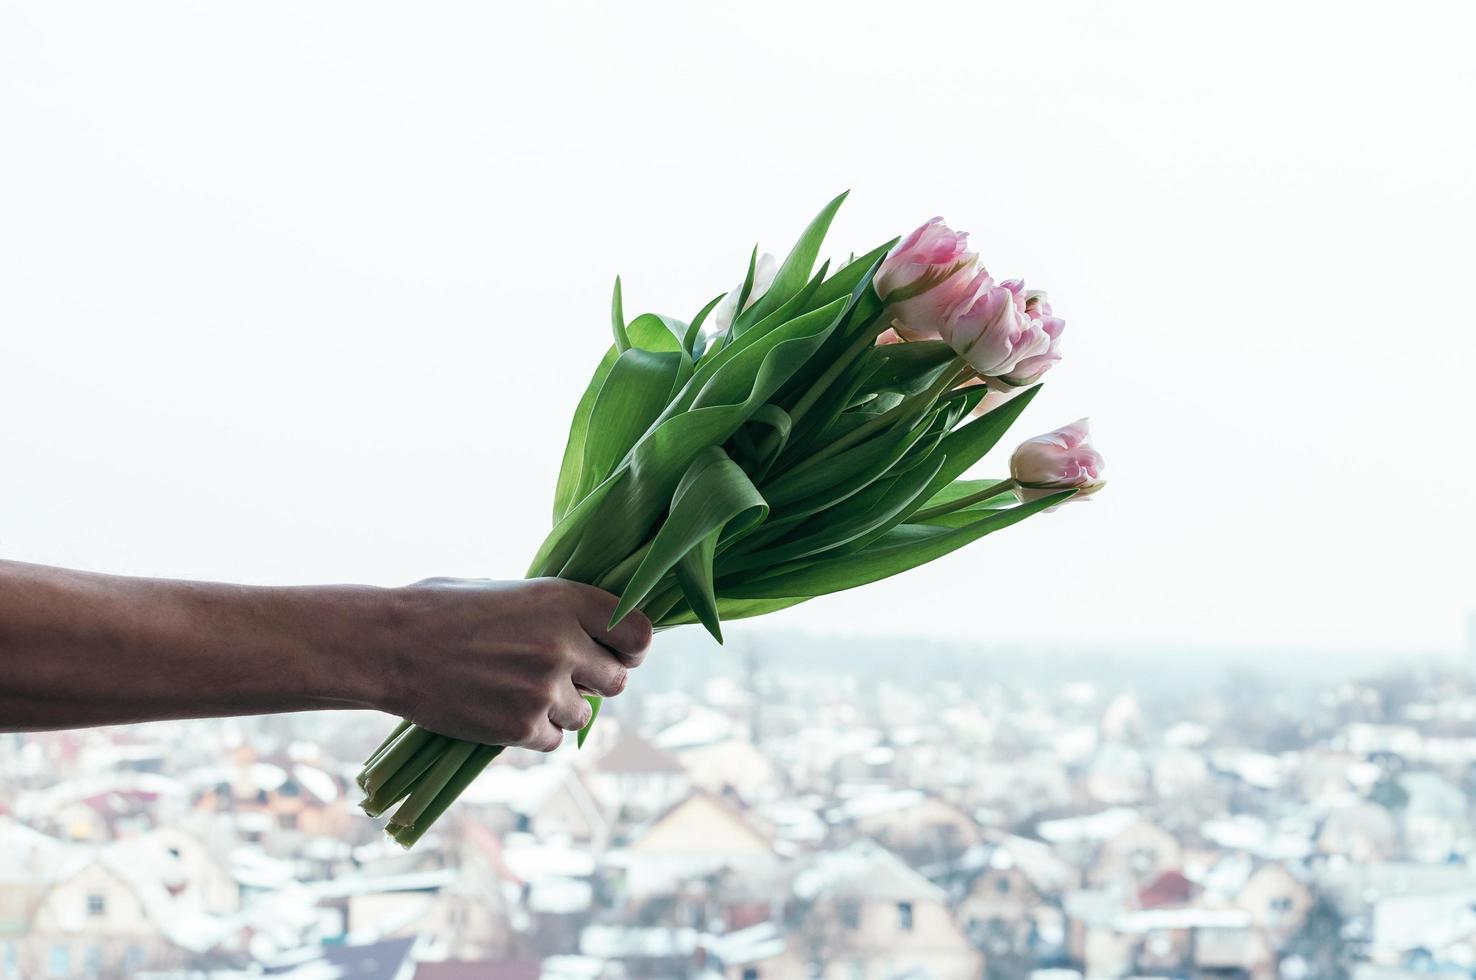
x=506, y=663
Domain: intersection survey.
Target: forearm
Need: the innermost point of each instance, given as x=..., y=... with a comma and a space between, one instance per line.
x=82, y=649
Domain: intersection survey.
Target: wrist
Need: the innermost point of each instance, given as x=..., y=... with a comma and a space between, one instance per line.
x=354, y=634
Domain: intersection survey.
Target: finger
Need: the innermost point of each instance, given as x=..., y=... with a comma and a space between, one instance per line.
x=570, y=712
x=546, y=737
x=629, y=638
x=597, y=670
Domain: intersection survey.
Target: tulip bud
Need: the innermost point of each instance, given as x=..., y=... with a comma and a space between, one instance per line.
x=923, y=276
x=1060, y=460
x=764, y=271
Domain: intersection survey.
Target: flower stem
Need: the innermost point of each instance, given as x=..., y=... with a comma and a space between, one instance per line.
x=993, y=490
x=432, y=783
x=406, y=834
x=400, y=752
x=403, y=779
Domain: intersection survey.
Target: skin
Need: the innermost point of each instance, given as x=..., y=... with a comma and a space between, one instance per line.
x=503, y=663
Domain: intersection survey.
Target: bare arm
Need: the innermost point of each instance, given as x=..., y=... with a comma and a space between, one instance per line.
x=502, y=663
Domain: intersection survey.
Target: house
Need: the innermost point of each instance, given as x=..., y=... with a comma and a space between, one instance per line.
x=1278, y=902
x=1016, y=894
x=1168, y=890
x=551, y=801
x=732, y=764
x=1137, y=854
x=923, y=827
x=759, y=952
x=700, y=837
x=102, y=915
x=635, y=779
x=1362, y=832
x=867, y=915
x=453, y=912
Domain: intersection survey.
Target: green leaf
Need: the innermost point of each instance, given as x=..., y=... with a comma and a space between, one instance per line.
x=694, y=330
x=712, y=494
x=795, y=271
x=569, y=470
x=967, y=444
x=653, y=332
x=858, y=515
x=908, y=367
x=617, y=319
x=594, y=703
x=733, y=609
x=853, y=274
x=724, y=392
x=891, y=554
x=778, y=421
x=863, y=463
x=744, y=291
x=694, y=575
x=635, y=392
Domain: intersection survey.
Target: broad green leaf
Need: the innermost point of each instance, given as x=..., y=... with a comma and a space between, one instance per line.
x=799, y=303
x=694, y=576
x=653, y=332
x=865, y=462
x=713, y=493
x=779, y=424
x=569, y=470
x=858, y=515
x=888, y=556
x=967, y=444
x=740, y=380
x=855, y=272
x=637, y=390
x=795, y=271
x=732, y=609
x=909, y=367
x=617, y=319
x=558, y=547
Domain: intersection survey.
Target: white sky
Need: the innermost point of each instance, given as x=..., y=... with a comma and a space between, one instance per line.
x=300, y=292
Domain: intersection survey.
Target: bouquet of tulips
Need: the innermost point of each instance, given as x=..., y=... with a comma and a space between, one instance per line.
x=805, y=433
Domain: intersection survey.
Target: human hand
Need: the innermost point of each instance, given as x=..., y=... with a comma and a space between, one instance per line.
x=505, y=663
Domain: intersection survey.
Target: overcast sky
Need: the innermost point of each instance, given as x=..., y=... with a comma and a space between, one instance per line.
x=306, y=292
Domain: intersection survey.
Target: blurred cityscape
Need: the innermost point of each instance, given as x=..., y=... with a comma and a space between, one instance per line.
x=786, y=808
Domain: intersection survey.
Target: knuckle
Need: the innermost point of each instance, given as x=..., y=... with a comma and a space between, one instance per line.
x=618, y=678
x=548, y=589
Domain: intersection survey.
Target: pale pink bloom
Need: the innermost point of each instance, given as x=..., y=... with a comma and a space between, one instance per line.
x=1060, y=460
x=990, y=329
x=1030, y=369
x=721, y=318
x=888, y=336
x=923, y=276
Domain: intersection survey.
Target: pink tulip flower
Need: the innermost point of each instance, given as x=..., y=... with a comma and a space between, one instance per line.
x=1060, y=460
x=922, y=277
x=990, y=328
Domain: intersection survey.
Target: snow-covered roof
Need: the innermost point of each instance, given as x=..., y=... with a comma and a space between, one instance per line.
x=863, y=871
x=1100, y=826
x=750, y=945
x=620, y=942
